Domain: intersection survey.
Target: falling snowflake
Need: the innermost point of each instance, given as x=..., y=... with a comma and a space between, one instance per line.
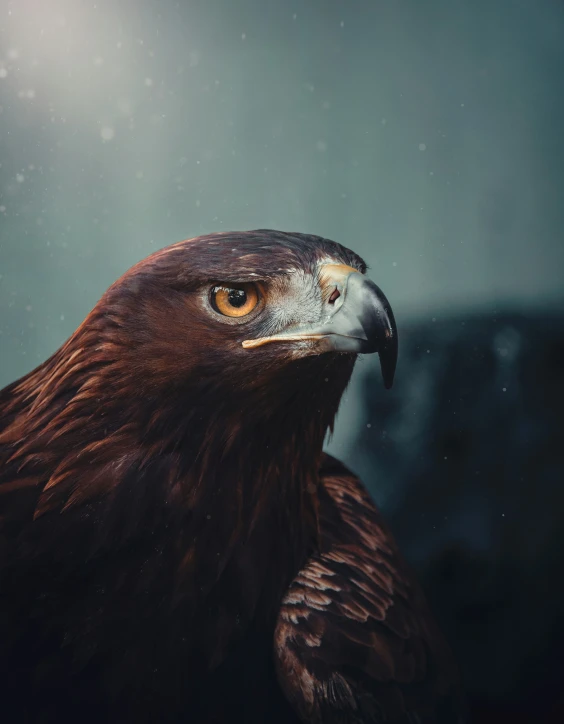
x=107, y=133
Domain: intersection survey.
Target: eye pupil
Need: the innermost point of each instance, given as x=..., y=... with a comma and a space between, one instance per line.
x=237, y=298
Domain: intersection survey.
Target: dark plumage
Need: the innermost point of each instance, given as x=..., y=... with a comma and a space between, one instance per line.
x=174, y=545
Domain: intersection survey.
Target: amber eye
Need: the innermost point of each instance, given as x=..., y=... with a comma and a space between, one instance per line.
x=235, y=300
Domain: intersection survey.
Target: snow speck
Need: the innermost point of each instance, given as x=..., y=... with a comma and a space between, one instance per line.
x=3, y=73
x=243, y=36
x=62, y=317
x=422, y=146
x=504, y=389
x=148, y=82
x=2, y=209
x=98, y=60
x=20, y=178
x=383, y=121
x=107, y=133
x=342, y=23
x=321, y=146
x=294, y=16
x=394, y=263
x=13, y=54
x=139, y=174
x=369, y=425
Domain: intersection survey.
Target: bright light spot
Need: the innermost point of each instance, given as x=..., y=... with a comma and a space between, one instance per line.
x=422, y=146
x=107, y=133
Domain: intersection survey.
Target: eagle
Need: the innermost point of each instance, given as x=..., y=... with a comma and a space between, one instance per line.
x=175, y=546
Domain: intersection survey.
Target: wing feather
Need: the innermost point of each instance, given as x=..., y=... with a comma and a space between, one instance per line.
x=355, y=641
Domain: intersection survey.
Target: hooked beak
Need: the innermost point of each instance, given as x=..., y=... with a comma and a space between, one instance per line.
x=357, y=318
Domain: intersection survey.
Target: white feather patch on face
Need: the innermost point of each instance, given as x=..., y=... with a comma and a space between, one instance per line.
x=294, y=299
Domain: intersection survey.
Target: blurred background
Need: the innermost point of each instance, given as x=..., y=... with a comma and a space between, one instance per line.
x=428, y=137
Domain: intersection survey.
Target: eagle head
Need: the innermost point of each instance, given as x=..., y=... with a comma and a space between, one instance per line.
x=233, y=313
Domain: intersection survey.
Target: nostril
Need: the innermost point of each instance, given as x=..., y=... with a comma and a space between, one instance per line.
x=335, y=294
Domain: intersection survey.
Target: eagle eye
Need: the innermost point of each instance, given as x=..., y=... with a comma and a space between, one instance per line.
x=235, y=300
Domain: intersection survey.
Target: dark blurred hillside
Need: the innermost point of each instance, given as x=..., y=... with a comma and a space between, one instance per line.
x=466, y=458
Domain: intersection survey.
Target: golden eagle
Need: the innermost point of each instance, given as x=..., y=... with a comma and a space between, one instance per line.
x=174, y=544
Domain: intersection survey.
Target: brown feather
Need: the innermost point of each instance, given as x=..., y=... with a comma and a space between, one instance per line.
x=377, y=655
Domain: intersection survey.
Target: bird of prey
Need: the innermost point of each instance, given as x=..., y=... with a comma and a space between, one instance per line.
x=174, y=544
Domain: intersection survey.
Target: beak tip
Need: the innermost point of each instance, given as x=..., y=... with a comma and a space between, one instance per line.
x=388, y=360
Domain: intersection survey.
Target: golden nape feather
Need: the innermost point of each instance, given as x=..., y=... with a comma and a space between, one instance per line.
x=174, y=544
